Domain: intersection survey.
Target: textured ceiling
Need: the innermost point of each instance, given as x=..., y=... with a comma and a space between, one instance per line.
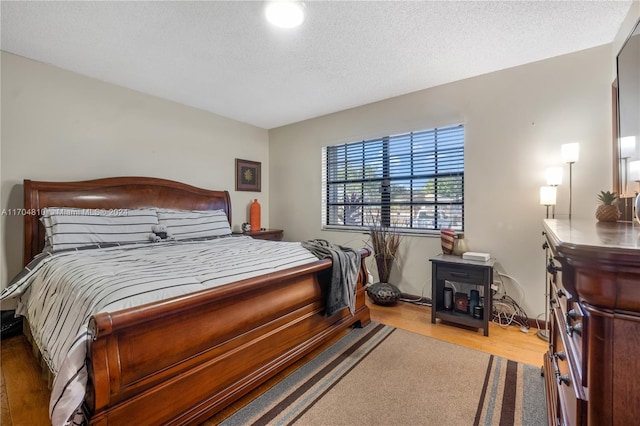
x=224, y=58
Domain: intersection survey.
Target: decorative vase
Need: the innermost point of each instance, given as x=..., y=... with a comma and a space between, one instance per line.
x=254, y=215
x=384, y=265
x=384, y=293
x=607, y=213
x=460, y=245
x=447, y=237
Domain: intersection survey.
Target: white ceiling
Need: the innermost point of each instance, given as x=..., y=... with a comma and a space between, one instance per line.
x=222, y=56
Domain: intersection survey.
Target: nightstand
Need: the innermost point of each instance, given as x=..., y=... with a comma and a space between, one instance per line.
x=265, y=234
x=463, y=275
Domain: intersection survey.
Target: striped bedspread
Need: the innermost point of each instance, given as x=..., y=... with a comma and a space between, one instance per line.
x=59, y=292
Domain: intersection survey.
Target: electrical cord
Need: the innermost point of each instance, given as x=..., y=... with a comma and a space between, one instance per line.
x=419, y=300
x=518, y=285
x=415, y=302
x=506, y=312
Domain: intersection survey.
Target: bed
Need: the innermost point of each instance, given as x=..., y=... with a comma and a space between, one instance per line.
x=180, y=360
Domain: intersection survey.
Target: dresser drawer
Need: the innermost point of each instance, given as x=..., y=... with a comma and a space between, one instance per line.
x=570, y=406
x=461, y=274
x=576, y=323
x=572, y=323
x=571, y=395
x=559, y=294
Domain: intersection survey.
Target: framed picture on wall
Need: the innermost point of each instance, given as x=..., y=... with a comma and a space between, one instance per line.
x=247, y=175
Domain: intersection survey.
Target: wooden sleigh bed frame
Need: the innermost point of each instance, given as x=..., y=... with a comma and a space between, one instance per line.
x=181, y=360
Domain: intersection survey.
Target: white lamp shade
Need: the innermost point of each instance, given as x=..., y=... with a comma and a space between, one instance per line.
x=554, y=176
x=634, y=171
x=627, y=146
x=570, y=152
x=284, y=14
x=548, y=195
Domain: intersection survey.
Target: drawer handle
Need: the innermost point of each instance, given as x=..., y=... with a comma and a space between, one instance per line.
x=572, y=315
x=564, y=379
x=576, y=328
x=553, y=301
x=562, y=293
x=552, y=268
x=560, y=355
x=545, y=246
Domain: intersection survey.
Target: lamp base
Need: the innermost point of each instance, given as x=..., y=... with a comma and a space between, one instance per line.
x=543, y=334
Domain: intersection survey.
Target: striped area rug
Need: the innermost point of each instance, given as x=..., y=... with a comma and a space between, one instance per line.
x=381, y=375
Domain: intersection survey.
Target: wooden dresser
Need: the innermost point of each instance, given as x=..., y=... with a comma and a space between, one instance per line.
x=592, y=369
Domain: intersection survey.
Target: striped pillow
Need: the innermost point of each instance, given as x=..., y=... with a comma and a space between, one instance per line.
x=73, y=227
x=46, y=222
x=187, y=224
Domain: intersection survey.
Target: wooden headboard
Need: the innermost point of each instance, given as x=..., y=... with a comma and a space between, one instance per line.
x=111, y=193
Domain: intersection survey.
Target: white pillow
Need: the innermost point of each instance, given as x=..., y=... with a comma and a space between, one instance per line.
x=73, y=227
x=187, y=224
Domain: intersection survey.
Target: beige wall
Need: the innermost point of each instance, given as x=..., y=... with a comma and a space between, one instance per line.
x=57, y=125
x=515, y=121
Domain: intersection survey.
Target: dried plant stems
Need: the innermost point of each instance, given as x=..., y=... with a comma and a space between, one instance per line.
x=385, y=243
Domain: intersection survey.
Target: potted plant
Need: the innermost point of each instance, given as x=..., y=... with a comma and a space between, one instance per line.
x=607, y=211
x=385, y=242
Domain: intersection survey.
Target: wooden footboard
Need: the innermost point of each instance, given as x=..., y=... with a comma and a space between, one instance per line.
x=181, y=361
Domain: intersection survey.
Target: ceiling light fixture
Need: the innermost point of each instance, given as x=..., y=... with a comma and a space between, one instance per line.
x=285, y=14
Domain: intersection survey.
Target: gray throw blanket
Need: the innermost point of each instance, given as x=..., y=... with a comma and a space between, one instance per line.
x=344, y=274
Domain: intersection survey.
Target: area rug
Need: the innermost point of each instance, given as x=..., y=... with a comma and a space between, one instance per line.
x=380, y=375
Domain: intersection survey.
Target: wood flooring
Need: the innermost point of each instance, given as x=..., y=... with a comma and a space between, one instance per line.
x=24, y=396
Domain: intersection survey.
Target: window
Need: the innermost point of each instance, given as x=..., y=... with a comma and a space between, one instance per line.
x=413, y=181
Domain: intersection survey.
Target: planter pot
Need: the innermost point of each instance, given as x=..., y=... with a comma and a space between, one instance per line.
x=447, y=238
x=384, y=265
x=384, y=294
x=607, y=213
